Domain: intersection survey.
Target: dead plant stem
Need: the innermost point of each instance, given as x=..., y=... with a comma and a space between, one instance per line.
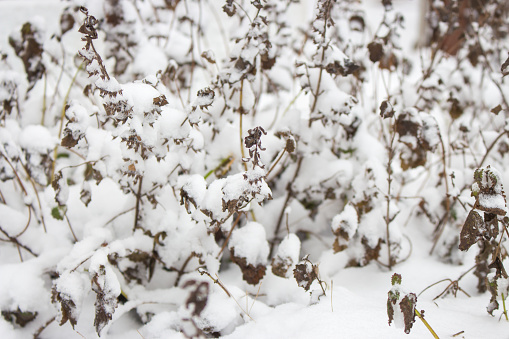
x=137, y=208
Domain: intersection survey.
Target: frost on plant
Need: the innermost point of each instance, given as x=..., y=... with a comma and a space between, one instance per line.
x=401, y=305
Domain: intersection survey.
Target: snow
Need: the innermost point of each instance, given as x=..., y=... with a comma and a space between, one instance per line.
x=250, y=242
x=151, y=223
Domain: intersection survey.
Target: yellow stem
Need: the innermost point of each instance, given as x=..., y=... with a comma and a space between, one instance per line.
x=426, y=324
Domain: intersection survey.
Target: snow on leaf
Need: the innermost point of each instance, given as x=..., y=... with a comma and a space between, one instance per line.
x=198, y=296
x=106, y=286
x=286, y=256
x=488, y=191
x=407, y=306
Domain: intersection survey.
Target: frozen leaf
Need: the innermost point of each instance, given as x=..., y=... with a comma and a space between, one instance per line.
x=61, y=188
x=488, y=191
x=86, y=193
x=376, y=51
x=58, y=212
x=386, y=109
x=22, y=318
x=28, y=46
x=470, y=232
x=252, y=274
x=209, y=56
x=495, y=110
x=107, y=289
x=407, y=306
x=66, y=22
x=68, y=292
x=357, y=23
x=305, y=273
x=229, y=8
x=249, y=250
x=504, y=69
x=160, y=100
x=499, y=267
x=198, y=296
x=286, y=256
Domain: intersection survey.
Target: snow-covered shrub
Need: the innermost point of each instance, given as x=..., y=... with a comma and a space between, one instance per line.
x=151, y=149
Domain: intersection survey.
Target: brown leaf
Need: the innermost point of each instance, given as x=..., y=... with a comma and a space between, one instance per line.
x=407, y=306
x=499, y=267
x=22, y=318
x=67, y=307
x=470, y=232
x=198, y=297
x=376, y=51
x=504, y=67
x=496, y=110
x=250, y=273
x=305, y=274
x=386, y=109
x=160, y=100
x=106, y=300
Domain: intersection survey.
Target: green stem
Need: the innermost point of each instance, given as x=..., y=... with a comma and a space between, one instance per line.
x=426, y=324
x=505, y=310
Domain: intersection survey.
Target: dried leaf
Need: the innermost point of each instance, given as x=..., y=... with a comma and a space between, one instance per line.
x=198, y=297
x=407, y=306
x=106, y=298
x=250, y=273
x=499, y=267
x=22, y=318
x=470, y=232
x=376, y=51
x=386, y=109
x=67, y=307
x=305, y=273
x=495, y=110
x=504, y=69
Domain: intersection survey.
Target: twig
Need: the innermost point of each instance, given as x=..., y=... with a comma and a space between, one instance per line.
x=137, y=208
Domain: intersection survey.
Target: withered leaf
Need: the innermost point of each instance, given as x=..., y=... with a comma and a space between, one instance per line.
x=66, y=22
x=106, y=300
x=470, y=232
x=250, y=273
x=198, y=297
x=376, y=51
x=160, y=100
x=305, y=274
x=357, y=23
x=22, y=318
x=86, y=195
x=496, y=110
x=386, y=109
x=209, y=56
x=29, y=50
x=230, y=8
x=407, y=306
x=504, y=69
x=499, y=267
x=67, y=307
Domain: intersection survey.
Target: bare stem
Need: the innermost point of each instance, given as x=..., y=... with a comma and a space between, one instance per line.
x=426, y=324
x=137, y=208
